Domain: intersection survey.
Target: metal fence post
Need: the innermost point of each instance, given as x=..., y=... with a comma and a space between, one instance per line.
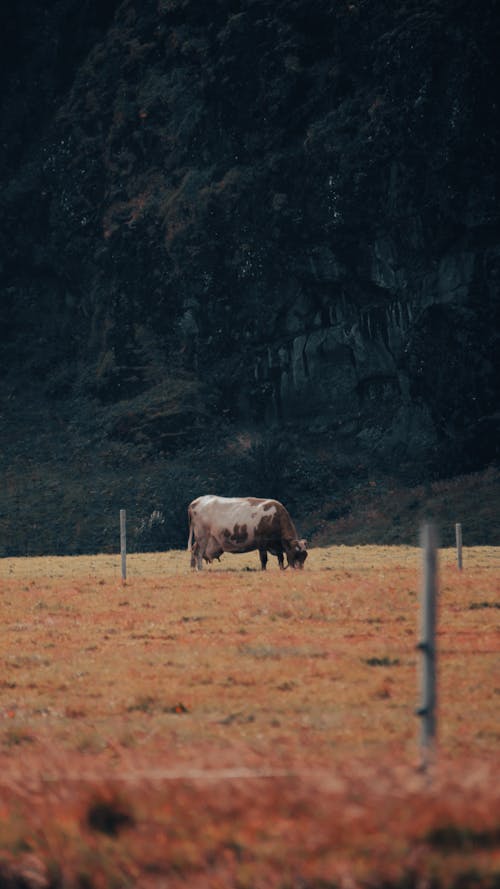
x=123, y=543
x=427, y=643
x=458, y=537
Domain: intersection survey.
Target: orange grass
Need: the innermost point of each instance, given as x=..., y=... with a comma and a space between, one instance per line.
x=234, y=728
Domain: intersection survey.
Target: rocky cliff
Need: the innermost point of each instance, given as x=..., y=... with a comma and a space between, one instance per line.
x=263, y=213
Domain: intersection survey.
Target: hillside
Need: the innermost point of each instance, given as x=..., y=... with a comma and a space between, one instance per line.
x=245, y=246
x=52, y=504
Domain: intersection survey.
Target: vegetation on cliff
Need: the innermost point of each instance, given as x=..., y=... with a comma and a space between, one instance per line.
x=221, y=218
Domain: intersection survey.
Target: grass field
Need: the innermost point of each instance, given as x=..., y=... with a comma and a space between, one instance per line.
x=234, y=728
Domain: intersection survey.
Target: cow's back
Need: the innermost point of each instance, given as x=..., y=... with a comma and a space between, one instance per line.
x=237, y=523
x=241, y=524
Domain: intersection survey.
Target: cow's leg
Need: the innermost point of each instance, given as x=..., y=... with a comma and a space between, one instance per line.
x=199, y=557
x=263, y=558
x=198, y=552
x=281, y=561
x=195, y=555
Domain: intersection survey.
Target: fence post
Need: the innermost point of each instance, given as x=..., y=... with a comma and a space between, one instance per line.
x=427, y=643
x=123, y=543
x=458, y=537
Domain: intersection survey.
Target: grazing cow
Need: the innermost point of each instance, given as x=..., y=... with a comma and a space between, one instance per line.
x=239, y=525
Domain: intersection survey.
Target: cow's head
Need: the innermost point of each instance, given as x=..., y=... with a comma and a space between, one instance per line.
x=296, y=553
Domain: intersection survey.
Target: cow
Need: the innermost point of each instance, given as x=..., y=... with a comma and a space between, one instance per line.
x=239, y=525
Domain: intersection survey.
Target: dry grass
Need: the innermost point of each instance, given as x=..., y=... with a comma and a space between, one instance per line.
x=234, y=728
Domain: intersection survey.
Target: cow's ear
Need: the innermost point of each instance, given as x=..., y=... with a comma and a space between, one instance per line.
x=303, y=543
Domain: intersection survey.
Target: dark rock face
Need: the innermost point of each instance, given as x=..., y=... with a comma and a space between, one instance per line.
x=291, y=205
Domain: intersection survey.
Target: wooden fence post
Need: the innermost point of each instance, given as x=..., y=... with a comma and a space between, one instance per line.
x=427, y=643
x=458, y=537
x=123, y=543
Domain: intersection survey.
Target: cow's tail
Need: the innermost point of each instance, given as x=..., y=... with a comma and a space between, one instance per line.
x=190, y=538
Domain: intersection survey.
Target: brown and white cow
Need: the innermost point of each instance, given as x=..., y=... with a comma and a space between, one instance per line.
x=239, y=525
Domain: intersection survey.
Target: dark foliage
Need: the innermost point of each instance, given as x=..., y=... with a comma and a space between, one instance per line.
x=248, y=215
x=108, y=816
